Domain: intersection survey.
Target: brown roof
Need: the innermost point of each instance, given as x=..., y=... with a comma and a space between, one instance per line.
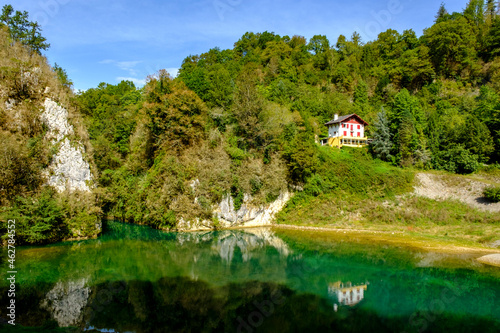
x=342, y=118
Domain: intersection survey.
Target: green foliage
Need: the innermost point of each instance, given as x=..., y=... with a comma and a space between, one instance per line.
x=382, y=144
x=22, y=30
x=38, y=219
x=492, y=193
x=452, y=45
x=244, y=120
x=177, y=114
x=301, y=156
x=111, y=113
x=19, y=172
x=457, y=160
x=63, y=76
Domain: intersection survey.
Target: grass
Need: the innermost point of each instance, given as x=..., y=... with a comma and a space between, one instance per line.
x=373, y=195
x=446, y=220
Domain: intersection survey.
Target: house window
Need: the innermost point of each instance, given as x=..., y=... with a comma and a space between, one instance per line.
x=359, y=126
x=358, y=134
x=352, y=127
x=345, y=133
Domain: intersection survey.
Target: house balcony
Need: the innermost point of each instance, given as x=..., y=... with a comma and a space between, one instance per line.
x=348, y=141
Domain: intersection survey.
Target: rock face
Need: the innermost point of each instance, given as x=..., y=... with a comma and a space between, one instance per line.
x=247, y=216
x=66, y=302
x=68, y=169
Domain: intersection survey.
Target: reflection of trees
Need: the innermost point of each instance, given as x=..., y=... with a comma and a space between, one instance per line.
x=137, y=277
x=183, y=305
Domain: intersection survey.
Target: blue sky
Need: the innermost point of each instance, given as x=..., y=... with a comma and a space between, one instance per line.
x=111, y=40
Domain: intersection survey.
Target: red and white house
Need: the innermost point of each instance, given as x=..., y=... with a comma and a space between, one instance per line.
x=346, y=131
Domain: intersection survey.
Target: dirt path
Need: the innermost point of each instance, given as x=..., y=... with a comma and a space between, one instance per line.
x=468, y=191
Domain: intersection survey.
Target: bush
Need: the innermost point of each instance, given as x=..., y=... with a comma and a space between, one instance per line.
x=39, y=220
x=492, y=193
x=457, y=160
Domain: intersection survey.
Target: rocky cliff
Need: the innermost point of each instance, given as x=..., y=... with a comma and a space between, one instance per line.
x=69, y=168
x=248, y=215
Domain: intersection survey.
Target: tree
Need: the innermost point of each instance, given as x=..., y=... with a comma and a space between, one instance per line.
x=490, y=11
x=361, y=97
x=382, y=144
x=452, y=46
x=22, y=30
x=442, y=14
x=319, y=44
x=177, y=114
x=247, y=106
x=63, y=76
x=474, y=12
x=492, y=40
x=489, y=111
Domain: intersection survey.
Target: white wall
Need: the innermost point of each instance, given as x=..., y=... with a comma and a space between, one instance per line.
x=337, y=130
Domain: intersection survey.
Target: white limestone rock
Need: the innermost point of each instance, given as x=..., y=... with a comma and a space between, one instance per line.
x=247, y=216
x=56, y=119
x=68, y=169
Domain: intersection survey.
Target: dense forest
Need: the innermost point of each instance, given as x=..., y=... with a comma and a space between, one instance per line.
x=247, y=120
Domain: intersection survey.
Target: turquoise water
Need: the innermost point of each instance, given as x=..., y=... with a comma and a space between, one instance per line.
x=136, y=279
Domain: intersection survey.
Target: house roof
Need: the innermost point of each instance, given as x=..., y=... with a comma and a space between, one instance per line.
x=344, y=118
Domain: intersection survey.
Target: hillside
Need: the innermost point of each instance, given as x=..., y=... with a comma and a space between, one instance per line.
x=234, y=136
x=46, y=159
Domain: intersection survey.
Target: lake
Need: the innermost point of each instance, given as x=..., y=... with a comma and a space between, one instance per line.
x=136, y=279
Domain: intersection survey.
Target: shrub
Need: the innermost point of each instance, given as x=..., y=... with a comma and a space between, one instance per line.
x=39, y=219
x=492, y=193
x=457, y=160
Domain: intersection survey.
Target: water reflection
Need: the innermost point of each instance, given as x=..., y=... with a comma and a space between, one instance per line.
x=141, y=280
x=66, y=302
x=247, y=242
x=347, y=294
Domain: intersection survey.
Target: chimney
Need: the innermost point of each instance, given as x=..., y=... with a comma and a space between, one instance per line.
x=336, y=116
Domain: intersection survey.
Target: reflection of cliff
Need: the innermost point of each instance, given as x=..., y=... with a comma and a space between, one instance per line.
x=66, y=301
x=347, y=294
x=247, y=242
x=225, y=242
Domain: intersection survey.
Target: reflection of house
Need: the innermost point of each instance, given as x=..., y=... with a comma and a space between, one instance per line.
x=347, y=294
x=346, y=131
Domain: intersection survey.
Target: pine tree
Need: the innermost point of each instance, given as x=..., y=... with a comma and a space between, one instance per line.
x=382, y=144
x=441, y=14
x=490, y=10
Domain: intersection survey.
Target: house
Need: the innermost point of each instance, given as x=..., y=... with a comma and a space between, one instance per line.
x=346, y=131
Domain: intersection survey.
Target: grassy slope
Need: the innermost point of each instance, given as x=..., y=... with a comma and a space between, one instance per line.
x=375, y=196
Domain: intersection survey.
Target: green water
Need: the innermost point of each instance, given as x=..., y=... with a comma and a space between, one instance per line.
x=135, y=279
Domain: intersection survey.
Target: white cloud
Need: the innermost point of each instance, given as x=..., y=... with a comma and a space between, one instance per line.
x=173, y=71
x=128, y=66
x=137, y=82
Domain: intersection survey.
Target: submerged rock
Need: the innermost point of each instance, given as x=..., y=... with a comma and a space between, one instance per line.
x=490, y=259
